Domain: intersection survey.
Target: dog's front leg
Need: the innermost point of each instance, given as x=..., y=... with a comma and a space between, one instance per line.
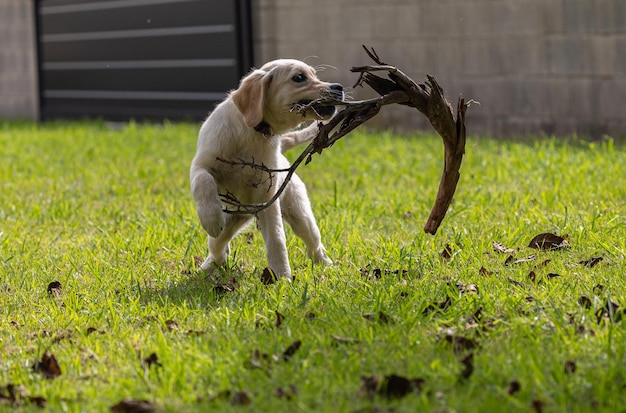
x=290, y=139
x=273, y=232
x=208, y=204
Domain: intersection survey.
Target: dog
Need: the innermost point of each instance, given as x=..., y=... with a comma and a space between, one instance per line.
x=254, y=125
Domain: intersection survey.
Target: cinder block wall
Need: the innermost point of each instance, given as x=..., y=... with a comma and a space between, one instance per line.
x=535, y=66
x=18, y=60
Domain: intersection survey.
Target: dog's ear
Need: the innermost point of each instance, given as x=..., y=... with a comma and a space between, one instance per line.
x=249, y=97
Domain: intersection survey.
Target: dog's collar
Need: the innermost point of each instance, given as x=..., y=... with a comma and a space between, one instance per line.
x=264, y=129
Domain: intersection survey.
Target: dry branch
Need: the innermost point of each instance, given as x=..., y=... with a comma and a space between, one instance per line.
x=397, y=88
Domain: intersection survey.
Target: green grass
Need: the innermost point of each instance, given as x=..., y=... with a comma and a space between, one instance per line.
x=108, y=213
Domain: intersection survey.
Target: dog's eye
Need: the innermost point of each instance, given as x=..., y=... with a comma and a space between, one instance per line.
x=299, y=78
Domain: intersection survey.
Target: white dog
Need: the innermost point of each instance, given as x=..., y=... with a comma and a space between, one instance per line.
x=255, y=125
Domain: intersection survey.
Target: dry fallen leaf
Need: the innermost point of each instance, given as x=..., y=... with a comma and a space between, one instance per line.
x=460, y=343
x=279, y=319
x=381, y=317
x=548, y=242
x=446, y=254
x=268, y=277
x=227, y=287
x=344, y=340
x=513, y=387
x=171, y=325
x=394, y=386
x=286, y=393
x=468, y=366
x=152, y=360
x=498, y=247
x=591, y=262
x=133, y=406
x=48, y=366
x=537, y=405
x=484, y=271
x=584, y=302
x=55, y=289
x=570, y=367
x=291, y=350
x=240, y=398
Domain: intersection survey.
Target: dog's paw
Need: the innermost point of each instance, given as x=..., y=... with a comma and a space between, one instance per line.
x=212, y=220
x=320, y=257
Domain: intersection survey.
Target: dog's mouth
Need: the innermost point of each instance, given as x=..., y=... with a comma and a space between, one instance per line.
x=321, y=111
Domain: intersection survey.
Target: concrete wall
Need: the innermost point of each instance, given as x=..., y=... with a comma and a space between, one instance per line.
x=18, y=60
x=536, y=66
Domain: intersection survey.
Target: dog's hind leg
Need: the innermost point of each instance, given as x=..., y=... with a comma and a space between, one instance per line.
x=296, y=210
x=271, y=225
x=219, y=246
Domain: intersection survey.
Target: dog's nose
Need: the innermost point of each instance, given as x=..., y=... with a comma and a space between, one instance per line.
x=336, y=91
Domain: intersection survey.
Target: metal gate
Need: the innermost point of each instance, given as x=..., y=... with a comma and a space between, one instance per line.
x=141, y=59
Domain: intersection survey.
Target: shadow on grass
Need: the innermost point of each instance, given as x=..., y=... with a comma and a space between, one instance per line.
x=195, y=288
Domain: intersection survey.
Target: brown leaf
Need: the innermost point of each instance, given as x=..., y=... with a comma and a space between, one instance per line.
x=515, y=282
x=552, y=275
x=598, y=289
x=446, y=254
x=287, y=393
x=582, y=330
x=268, y=277
x=152, y=360
x=258, y=360
x=498, y=247
x=437, y=306
x=468, y=366
x=309, y=315
x=227, y=287
x=532, y=276
x=369, y=386
x=570, y=367
x=610, y=313
x=171, y=325
x=466, y=288
x=525, y=259
x=584, y=302
x=591, y=262
x=48, y=366
x=460, y=343
x=513, y=387
x=509, y=260
x=484, y=271
x=279, y=319
x=38, y=401
x=240, y=398
x=548, y=242
x=394, y=386
x=55, y=289
x=537, y=405
x=133, y=406
x=291, y=350
x=345, y=340
x=381, y=317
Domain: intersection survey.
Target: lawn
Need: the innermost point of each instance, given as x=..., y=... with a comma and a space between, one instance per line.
x=402, y=322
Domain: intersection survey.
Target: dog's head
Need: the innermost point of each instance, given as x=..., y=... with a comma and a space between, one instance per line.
x=267, y=96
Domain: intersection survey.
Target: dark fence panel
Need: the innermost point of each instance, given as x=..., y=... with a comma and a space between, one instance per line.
x=121, y=59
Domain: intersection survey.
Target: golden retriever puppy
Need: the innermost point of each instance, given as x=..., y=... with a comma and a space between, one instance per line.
x=256, y=124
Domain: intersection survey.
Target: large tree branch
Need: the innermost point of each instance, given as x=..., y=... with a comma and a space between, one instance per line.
x=398, y=88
